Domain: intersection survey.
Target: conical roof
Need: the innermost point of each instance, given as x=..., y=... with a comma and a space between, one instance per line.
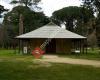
x=50, y=30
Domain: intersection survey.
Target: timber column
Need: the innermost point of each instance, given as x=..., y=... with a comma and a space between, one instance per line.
x=20, y=32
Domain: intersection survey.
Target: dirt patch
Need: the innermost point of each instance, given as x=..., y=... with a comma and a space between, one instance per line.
x=57, y=59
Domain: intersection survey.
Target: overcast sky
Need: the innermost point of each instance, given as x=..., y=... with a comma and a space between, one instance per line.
x=48, y=6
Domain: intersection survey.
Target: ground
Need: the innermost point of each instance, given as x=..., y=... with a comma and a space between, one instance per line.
x=25, y=67
x=57, y=59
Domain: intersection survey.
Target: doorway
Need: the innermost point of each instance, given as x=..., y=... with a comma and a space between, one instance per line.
x=51, y=47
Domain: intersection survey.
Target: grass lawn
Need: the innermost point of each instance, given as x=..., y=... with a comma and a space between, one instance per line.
x=24, y=70
x=91, y=55
x=24, y=67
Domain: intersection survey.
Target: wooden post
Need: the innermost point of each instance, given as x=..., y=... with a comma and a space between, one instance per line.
x=86, y=46
x=20, y=31
x=80, y=46
x=83, y=46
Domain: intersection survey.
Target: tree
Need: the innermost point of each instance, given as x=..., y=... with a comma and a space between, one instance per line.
x=1, y=36
x=26, y=2
x=31, y=21
x=2, y=9
x=94, y=5
x=72, y=16
x=92, y=39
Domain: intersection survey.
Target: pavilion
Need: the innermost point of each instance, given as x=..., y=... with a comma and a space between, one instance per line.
x=62, y=40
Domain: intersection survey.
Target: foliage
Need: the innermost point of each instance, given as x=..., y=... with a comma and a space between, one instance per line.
x=2, y=9
x=92, y=40
x=31, y=21
x=1, y=36
x=26, y=2
x=94, y=5
x=72, y=16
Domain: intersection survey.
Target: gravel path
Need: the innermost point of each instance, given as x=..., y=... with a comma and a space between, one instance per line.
x=56, y=59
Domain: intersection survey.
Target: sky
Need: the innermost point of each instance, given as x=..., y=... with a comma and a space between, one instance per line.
x=48, y=6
